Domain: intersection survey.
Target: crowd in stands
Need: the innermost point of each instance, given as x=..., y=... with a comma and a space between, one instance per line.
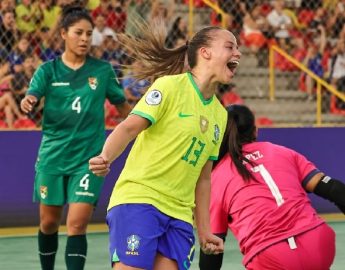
x=312, y=31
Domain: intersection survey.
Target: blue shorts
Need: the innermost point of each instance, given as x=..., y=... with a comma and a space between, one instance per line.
x=138, y=231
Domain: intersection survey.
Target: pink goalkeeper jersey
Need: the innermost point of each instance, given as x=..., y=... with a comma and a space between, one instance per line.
x=266, y=211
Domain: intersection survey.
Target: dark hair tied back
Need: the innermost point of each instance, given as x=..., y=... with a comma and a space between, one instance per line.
x=240, y=130
x=72, y=14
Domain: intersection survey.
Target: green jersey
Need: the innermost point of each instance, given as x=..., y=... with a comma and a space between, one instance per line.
x=73, y=115
x=166, y=160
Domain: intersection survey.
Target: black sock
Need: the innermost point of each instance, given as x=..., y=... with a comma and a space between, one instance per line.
x=47, y=248
x=76, y=249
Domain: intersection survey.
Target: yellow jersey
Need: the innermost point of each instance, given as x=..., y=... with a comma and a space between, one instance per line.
x=166, y=159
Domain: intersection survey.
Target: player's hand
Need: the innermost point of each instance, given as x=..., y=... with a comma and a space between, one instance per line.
x=27, y=103
x=211, y=244
x=99, y=166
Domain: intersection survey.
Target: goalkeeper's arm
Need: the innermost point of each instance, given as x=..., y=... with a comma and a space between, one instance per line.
x=328, y=188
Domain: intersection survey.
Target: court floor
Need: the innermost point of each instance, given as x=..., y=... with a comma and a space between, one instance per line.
x=20, y=252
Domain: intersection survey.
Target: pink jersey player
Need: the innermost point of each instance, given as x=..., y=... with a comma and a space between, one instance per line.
x=259, y=193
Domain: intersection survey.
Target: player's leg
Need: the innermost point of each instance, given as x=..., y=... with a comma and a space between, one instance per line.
x=9, y=116
x=83, y=191
x=165, y=263
x=176, y=247
x=134, y=230
x=49, y=191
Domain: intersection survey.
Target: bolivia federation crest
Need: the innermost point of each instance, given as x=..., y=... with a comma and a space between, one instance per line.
x=93, y=83
x=43, y=192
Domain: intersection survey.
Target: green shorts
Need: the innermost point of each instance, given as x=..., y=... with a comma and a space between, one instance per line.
x=61, y=189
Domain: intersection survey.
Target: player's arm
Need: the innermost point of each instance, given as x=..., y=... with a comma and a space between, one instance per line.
x=209, y=243
x=35, y=91
x=213, y=261
x=117, y=142
x=328, y=188
x=27, y=103
x=124, y=109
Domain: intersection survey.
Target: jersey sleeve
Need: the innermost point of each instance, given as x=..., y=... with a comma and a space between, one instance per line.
x=38, y=83
x=114, y=91
x=306, y=169
x=154, y=103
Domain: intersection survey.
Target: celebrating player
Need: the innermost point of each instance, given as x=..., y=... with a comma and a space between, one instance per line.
x=75, y=87
x=179, y=124
x=259, y=192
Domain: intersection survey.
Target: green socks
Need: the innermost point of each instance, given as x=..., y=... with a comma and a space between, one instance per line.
x=47, y=247
x=76, y=249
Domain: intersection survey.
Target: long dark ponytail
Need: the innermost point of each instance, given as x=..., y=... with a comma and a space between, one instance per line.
x=240, y=130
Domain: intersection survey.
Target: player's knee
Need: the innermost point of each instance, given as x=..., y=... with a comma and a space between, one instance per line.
x=49, y=226
x=76, y=227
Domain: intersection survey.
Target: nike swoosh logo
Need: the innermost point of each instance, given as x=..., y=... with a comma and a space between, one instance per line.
x=183, y=115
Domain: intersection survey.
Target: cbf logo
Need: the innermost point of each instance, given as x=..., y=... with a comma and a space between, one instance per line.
x=216, y=134
x=93, y=83
x=133, y=243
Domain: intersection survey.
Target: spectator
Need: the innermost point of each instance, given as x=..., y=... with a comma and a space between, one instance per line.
x=115, y=14
x=6, y=5
x=29, y=16
x=337, y=73
x=254, y=27
x=314, y=60
x=120, y=20
x=51, y=13
x=21, y=79
x=51, y=46
x=337, y=20
x=17, y=56
x=113, y=53
x=235, y=11
x=8, y=32
x=5, y=75
x=162, y=11
x=280, y=23
x=134, y=88
x=100, y=30
x=177, y=31
x=10, y=108
x=7, y=103
x=227, y=94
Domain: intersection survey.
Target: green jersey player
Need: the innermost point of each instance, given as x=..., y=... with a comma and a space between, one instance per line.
x=74, y=87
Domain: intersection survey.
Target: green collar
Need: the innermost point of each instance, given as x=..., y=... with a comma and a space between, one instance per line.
x=203, y=100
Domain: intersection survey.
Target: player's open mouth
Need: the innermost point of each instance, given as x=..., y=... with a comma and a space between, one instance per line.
x=232, y=65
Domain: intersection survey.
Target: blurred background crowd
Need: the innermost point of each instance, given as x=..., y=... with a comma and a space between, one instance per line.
x=312, y=31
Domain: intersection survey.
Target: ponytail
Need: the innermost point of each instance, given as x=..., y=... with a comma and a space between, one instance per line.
x=149, y=48
x=240, y=130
